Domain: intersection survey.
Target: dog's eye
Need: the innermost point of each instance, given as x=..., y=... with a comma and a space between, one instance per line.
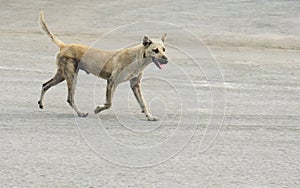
x=164, y=49
x=155, y=50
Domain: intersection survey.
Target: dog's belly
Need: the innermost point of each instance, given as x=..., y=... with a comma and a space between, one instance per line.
x=97, y=63
x=90, y=68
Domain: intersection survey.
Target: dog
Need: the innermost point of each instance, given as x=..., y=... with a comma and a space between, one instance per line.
x=115, y=66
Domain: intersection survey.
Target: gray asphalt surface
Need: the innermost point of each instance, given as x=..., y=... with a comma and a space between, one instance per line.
x=239, y=131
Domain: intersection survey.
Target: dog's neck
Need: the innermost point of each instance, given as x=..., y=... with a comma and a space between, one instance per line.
x=143, y=60
x=136, y=63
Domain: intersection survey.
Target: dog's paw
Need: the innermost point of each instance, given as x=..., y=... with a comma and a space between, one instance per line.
x=98, y=109
x=41, y=105
x=152, y=118
x=83, y=114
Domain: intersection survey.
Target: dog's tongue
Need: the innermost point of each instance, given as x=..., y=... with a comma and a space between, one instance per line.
x=161, y=65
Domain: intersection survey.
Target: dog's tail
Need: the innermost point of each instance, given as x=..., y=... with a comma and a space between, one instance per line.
x=56, y=41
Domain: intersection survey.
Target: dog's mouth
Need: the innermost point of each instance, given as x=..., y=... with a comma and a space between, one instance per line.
x=159, y=62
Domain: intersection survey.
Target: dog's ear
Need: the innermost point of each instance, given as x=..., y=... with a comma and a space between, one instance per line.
x=164, y=37
x=146, y=41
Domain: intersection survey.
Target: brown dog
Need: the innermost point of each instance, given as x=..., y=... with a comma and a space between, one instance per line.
x=114, y=66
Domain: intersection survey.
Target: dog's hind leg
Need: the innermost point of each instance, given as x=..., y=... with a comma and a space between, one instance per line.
x=110, y=89
x=135, y=85
x=52, y=82
x=71, y=78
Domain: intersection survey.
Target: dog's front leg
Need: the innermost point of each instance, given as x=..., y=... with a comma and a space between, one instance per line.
x=110, y=88
x=135, y=85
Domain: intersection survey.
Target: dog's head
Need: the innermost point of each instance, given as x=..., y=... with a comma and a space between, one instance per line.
x=155, y=49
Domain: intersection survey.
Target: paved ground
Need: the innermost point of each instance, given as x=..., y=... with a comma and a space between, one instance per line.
x=257, y=50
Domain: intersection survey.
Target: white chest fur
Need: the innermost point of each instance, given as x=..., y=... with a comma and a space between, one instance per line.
x=131, y=71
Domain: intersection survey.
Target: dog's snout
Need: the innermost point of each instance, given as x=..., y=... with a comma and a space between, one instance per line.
x=164, y=57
